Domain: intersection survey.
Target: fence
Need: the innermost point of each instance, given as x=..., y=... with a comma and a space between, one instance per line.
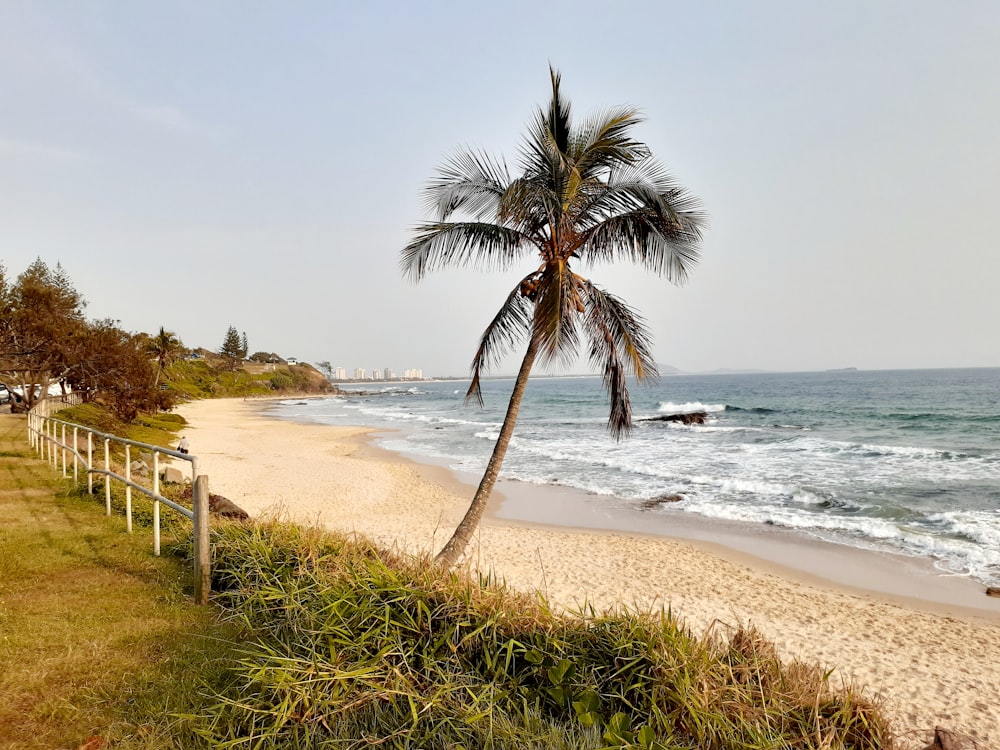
x=48, y=436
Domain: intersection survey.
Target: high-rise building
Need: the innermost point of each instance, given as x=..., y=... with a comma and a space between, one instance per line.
x=388, y=374
x=360, y=374
x=376, y=374
x=340, y=374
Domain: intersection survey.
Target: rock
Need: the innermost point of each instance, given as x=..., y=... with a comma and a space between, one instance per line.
x=171, y=475
x=993, y=591
x=694, y=417
x=140, y=469
x=947, y=740
x=219, y=506
x=226, y=508
x=656, y=502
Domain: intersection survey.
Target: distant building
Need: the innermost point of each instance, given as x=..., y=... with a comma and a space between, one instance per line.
x=360, y=374
x=376, y=374
x=413, y=374
x=340, y=374
x=292, y=361
x=388, y=374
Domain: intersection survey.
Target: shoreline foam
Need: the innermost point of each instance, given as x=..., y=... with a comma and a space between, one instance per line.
x=931, y=665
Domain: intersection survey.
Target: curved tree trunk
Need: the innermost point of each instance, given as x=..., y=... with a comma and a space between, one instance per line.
x=470, y=522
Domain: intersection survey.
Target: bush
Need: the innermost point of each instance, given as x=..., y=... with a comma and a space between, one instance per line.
x=348, y=645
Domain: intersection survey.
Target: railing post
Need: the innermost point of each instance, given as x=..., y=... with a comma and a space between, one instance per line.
x=63, y=448
x=128, y=488
x=107, y=477
x=76, y=457
x=90, y=462
x=202, y=549
x=156, y=503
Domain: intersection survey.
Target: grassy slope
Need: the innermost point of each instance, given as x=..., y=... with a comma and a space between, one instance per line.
x=96, y=634
x=210, y=378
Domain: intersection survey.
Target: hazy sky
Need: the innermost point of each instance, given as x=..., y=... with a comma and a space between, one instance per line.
x=260, y=164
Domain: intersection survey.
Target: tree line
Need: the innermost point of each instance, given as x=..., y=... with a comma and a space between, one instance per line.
x=47, y=344
x=46, y=340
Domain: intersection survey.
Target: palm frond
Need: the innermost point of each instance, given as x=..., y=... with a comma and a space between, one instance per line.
x=604, y=142
x=559, y=119
x=529, y=206
x=479, y=244
x=557, y=306
x=619, y=346
x=509, y=325
x=470, y=182
x=667, y=246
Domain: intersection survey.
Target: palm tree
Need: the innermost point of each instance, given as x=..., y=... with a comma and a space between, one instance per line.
x=164, y=346
x=586, y=195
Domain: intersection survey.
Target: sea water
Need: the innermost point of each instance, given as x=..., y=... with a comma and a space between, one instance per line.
x=904, y=461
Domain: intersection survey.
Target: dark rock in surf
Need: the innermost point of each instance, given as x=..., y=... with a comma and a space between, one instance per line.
x=656, y=502
x=694, y=417
x=993, y=591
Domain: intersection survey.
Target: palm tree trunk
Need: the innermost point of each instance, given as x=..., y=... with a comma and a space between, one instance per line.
x=448, y=556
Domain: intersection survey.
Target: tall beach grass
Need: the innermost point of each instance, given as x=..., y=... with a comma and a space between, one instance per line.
x=346, y=645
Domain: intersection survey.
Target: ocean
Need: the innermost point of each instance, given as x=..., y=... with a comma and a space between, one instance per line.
x=902, y=461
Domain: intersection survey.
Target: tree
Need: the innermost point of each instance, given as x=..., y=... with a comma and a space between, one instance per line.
x=113, y=367
x=265, y=357
x=42, y=313
x=586, y=195
x=232, y=347
x=165, y=347
x=244, y=346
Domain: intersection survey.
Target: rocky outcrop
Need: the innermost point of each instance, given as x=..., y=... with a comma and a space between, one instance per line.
x=694, y=417
x=655, y=502
x=220, y=506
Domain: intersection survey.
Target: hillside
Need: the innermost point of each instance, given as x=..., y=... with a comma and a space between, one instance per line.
x=211, y=376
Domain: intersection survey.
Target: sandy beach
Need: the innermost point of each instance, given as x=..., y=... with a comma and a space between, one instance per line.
x=931, y=662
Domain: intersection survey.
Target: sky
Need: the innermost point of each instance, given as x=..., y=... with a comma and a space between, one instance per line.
x=196, y=165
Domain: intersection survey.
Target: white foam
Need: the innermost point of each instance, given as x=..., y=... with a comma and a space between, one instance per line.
x=687, y=408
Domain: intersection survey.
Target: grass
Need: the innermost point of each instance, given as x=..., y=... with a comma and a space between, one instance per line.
x=97, y=636
x=322, y=641
x=348, y=646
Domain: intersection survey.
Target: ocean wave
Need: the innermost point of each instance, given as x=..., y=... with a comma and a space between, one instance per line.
x=669, y=407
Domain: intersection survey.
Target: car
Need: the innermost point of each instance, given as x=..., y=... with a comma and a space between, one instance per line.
x=4, y=394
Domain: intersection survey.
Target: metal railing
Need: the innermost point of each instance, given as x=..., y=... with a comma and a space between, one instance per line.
x=48, y=437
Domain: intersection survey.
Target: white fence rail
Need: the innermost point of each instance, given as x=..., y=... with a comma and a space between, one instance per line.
x=59, y=442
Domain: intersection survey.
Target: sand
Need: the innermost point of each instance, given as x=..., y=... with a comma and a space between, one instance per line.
x=929, y=663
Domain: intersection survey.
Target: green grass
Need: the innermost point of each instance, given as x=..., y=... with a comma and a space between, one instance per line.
x=97, y=636
x=348, y=645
